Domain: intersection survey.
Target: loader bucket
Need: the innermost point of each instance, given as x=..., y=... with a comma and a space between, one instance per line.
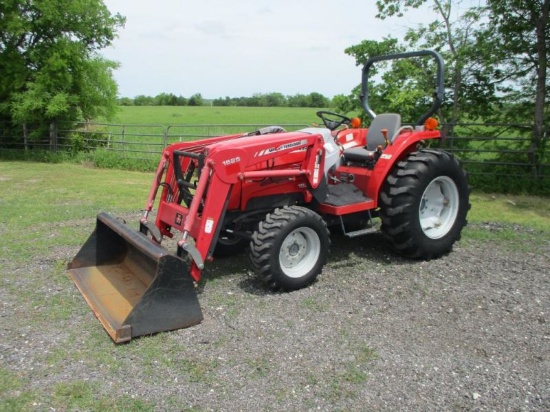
x=134, y=286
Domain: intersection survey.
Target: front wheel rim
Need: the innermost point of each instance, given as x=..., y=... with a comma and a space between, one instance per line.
x=299, y=252
x=439, y=207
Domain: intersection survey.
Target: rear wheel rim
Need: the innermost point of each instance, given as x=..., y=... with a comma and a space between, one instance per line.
x=299, y=252
x=439, y=207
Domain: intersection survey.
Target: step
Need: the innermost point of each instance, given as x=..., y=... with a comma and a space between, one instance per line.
x=362, y=232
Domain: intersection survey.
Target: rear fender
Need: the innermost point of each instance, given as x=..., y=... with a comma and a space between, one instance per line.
x=392, y=154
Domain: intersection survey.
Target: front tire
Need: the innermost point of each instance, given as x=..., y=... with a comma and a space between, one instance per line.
x=290, y=248
x=424, y=203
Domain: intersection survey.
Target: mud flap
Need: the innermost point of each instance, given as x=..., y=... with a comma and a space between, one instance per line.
x=134, y=286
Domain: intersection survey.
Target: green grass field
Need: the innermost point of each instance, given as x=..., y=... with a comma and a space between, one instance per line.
x=193, y=115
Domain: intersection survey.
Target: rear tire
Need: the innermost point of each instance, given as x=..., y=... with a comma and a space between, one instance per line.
x=290, y=248
x=229, y=245
x=424, y=203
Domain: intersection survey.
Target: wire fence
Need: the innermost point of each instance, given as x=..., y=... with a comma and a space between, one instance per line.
x=140, y=141
x=497, y=150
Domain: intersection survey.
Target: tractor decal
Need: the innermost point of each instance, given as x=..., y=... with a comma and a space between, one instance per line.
x=286, y=146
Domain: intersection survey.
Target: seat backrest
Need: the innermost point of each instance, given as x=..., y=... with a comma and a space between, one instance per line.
x=389, y=121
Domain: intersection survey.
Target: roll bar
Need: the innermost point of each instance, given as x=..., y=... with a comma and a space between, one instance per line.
x=439, y=92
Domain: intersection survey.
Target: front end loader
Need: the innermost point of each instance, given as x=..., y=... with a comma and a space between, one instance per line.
x=276, y=193
x=134, y=285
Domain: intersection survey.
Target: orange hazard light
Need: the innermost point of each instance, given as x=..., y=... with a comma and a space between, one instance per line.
x=431, y=123
x=356, y=122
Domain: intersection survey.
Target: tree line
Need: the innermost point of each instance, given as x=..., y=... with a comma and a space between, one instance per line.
x=162, y=99
x=313, y=99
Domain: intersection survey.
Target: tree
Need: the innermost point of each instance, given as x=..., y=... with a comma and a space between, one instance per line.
x=470, y=91
x=340, y=103
x=276, y=100
x=196, y=100
x=125, y=101
x=401, y=86
x=297, y=100
x=167, y=99
x=318, y=100
x=142, y=100
x=49, y=60
x=362, y=52
x=498, y=54
x=181, y=101
x=522, y=29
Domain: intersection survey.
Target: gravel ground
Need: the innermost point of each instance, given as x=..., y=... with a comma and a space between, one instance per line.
x=469, y=331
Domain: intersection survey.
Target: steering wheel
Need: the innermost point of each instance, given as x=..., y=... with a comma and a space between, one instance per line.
x=333, y=120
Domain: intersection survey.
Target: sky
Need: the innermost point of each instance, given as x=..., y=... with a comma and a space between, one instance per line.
x=241, y=47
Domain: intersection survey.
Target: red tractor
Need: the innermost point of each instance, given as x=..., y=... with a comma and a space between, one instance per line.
x=279, y=193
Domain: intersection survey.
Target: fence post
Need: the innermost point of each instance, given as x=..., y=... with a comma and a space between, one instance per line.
x=25, y=136
x=123, y=141
x=53, y=136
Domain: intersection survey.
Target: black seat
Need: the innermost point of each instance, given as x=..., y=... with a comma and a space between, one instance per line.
x=389, y=121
